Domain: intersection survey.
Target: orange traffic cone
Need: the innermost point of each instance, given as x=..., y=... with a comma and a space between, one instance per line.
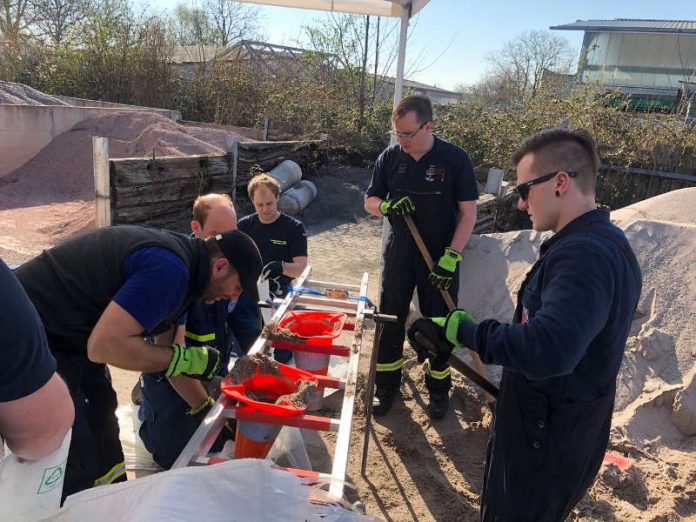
x=254, y=439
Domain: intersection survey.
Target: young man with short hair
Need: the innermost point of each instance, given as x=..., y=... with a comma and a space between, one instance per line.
x=433, y=181
x=562, y=353
x=281, y=239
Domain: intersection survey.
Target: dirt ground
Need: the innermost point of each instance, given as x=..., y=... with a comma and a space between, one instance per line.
x=423, y=470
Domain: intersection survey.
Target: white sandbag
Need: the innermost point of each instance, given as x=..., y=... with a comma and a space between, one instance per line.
x=31, y=489
x=236, y=491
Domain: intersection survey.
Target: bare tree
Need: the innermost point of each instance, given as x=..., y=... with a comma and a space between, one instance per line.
x=517, y=69
x=231, y=21
x=15, y=16
x=349, y=45
x=191, y=26
x=54, y=19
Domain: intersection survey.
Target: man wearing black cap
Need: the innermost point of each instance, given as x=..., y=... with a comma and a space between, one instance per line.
x=101, y=294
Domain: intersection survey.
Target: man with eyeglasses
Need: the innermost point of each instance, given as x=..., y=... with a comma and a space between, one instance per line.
x=562, y=353
x=432, y=180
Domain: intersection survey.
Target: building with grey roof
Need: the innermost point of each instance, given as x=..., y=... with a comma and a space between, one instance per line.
x=652, y=60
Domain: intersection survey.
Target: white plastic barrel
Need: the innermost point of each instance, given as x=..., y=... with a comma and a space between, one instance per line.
x=31, y=490
x=286, y=174
x=296, y=198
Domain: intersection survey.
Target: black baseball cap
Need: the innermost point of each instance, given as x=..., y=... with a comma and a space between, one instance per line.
x=243, y=254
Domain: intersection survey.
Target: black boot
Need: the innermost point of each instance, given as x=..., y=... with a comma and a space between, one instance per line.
x=438, y=405
x=383, y=400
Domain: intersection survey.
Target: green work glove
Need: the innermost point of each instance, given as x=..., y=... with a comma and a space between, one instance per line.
x=441, y=275
x=397, y=207
x=438, y=332
x=199, y=362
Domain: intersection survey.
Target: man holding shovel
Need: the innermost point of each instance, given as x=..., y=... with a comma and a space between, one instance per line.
x=562, y=354
x=432, y=181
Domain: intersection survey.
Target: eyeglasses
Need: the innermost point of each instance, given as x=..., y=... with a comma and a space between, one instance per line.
x=407, y=136
x=523, y=188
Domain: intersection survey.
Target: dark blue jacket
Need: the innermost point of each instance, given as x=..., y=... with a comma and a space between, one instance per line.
x=577, y=305
x=560, y=360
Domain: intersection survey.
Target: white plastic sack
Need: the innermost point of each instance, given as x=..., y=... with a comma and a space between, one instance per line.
x=136, y=456
x=242, y=490
x=30, y=490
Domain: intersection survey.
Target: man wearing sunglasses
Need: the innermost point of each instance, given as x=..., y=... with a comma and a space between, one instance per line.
x=432, y=180
x=562, y=353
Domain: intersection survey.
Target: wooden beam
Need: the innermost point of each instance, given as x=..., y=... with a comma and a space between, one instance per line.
x=102, y=186
x=646, y=172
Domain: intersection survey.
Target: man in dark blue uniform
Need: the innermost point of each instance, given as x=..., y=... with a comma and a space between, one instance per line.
x=562, y=354
x=281, y=239
x=434, y=181
x=172, y=408
x=101, y=294
x=36, y=411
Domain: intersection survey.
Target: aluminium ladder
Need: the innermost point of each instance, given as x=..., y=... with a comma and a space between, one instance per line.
x=196, y=450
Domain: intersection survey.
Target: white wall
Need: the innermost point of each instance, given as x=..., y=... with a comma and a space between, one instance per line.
x=26, y=129
x=640, y=59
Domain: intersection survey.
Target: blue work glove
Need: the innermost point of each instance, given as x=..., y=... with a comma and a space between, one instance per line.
x=441, y=275
x=199, y=362
x=272, y=270
x=397, y=207
x=439, y=333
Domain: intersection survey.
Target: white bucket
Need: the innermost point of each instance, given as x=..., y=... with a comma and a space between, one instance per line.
x=31, y=489
x=297, y=198
x=286, y=174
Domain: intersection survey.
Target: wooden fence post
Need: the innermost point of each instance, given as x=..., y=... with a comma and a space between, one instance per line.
x=235, y=158
x=102, y=187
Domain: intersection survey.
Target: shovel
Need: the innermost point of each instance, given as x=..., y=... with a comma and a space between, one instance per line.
x=480, y=370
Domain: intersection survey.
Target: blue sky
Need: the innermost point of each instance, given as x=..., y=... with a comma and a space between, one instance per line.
x=453, y=37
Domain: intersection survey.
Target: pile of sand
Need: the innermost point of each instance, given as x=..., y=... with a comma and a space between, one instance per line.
x=20, y=94
x=51, y=197
x=655, y=415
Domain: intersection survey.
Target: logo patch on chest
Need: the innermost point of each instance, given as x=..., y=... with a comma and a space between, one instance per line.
x=279, y=242
x=435, y=172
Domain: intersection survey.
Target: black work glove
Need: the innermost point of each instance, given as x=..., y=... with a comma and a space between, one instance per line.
x=397, y=207
x=439, y=333
x=272, y=270
x=428, y=333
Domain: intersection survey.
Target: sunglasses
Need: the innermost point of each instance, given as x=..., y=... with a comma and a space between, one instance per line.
x=523, y=188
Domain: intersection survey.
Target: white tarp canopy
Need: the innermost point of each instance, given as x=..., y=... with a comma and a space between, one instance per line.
x=403, y=9
x=366, y=7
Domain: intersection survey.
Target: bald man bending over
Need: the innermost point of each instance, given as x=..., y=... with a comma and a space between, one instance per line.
x=173, y=407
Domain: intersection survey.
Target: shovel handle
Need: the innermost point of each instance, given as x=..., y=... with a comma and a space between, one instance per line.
x=445, y=295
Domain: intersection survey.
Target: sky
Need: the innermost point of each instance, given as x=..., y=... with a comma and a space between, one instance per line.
x=450, y=39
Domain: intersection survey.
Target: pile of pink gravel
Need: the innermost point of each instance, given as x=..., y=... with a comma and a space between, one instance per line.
x=51, y=197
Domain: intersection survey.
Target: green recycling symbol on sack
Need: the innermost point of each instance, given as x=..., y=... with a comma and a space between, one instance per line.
x=51, y=479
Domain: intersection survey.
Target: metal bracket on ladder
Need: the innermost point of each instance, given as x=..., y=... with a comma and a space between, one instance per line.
x=196, y=450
